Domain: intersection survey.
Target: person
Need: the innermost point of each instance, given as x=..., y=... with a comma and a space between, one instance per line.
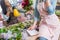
x=49, y=24
x=6, y=9
x=1, y=18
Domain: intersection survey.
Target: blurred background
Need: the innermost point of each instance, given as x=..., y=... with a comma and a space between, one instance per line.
x=58, y=8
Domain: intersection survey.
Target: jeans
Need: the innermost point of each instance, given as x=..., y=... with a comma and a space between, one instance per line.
x=42, y=38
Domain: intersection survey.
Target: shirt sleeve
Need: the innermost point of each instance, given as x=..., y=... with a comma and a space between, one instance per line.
x=51, y=8
x=5, y=17
x=36, y=15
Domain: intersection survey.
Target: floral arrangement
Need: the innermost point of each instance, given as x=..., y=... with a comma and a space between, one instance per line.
x=27, y=4
x=14, y=32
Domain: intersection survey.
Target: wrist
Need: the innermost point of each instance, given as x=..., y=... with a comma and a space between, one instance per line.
x=35, y=22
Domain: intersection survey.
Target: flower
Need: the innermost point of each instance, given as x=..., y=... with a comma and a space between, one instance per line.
x=27, y=4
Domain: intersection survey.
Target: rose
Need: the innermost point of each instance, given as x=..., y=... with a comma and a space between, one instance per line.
x=25, y=3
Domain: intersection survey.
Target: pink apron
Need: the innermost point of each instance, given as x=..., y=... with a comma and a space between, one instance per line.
x=49, y=24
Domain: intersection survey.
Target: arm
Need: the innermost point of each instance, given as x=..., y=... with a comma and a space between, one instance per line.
x=9, y=9
x=36, y=17
x=36, y=13
x=51, y=5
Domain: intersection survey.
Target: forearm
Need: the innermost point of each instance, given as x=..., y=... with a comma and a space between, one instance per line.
x=8, y=14
x=9, y=10
x=35, y=23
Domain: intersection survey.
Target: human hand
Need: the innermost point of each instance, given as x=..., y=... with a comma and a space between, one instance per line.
x=32, y=27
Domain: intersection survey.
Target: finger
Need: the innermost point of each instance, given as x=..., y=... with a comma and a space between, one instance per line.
x=29, y=28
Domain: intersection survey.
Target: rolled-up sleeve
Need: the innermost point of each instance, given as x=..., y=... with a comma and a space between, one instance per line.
x=36, y=15
x=51, y=8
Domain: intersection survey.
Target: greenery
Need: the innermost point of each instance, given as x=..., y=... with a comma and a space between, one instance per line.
x=57, y=12
x=15, y=30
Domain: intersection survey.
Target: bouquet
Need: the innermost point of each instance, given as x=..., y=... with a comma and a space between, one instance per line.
x=14, y=32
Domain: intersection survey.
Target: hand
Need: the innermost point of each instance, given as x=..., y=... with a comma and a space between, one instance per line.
x=32, y=27
x=10, y=9
x=8, y=13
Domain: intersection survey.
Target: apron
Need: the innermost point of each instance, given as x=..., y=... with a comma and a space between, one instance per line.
x=49, y=24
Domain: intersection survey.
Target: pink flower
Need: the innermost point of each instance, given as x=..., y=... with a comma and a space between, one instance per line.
x=23, y=4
